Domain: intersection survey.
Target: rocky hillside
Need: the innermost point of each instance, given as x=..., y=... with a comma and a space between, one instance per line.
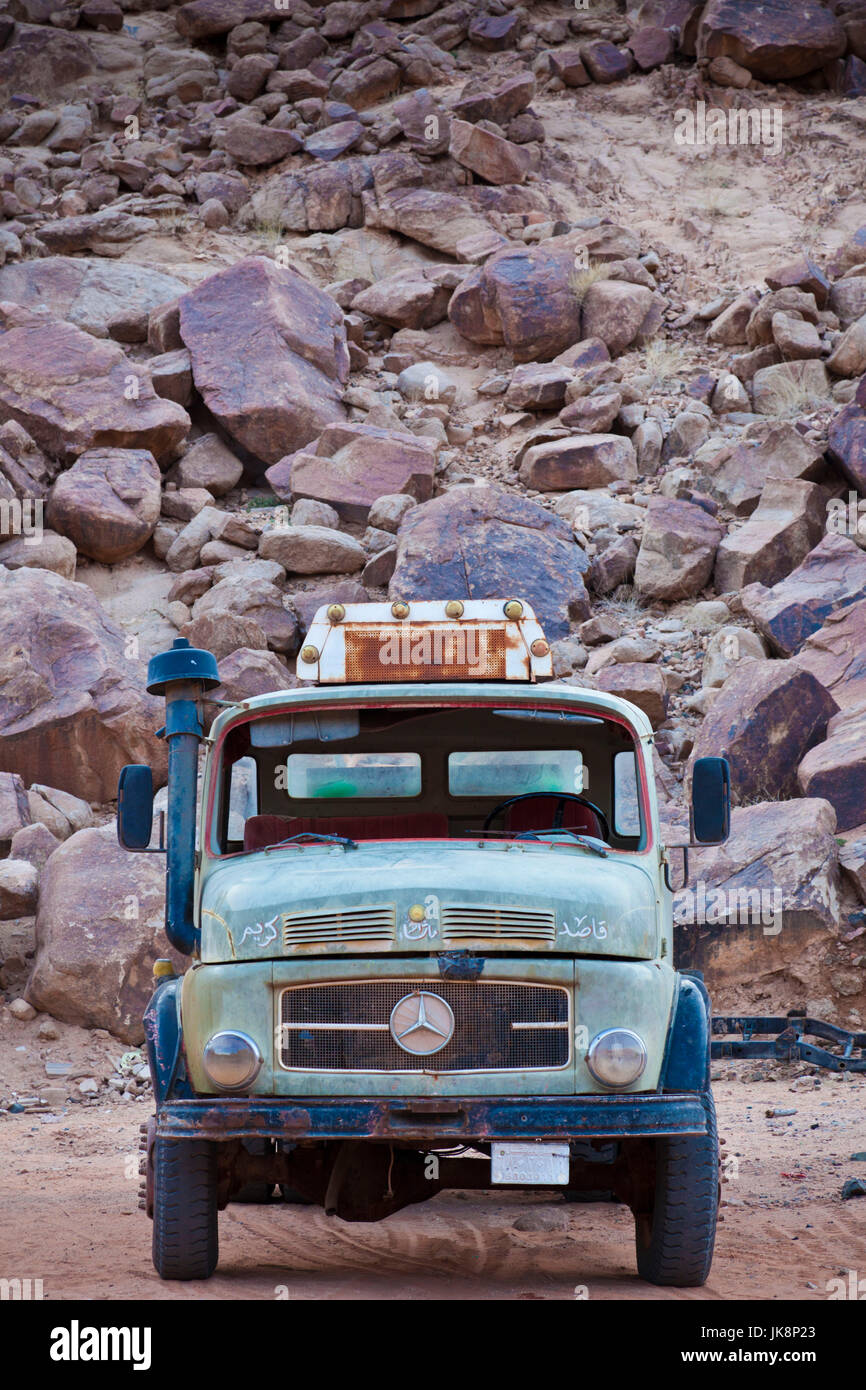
x=303, y=302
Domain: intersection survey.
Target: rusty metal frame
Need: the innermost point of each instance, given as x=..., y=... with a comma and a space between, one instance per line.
x=640, y=1115
x=786, y=1041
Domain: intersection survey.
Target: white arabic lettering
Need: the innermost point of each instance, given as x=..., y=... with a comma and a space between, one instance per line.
x=594, y=928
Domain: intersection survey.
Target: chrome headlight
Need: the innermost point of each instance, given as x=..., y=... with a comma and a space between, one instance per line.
x=616, y=1057
x=231, y=1060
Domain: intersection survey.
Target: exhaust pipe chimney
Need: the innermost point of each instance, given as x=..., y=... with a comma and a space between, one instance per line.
x=182, y=674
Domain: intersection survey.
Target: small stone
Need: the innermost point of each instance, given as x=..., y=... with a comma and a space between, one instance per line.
x=21, y=1010
x=427, y=382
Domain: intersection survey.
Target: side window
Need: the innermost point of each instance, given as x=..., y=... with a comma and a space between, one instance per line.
x=626, y=804
x=243, y=796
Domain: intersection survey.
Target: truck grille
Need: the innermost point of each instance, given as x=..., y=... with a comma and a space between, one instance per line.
x=499, y=1026
x=368, y=924
x=460, y=922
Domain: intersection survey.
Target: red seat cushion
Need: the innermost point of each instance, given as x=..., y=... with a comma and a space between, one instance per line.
x=260, y=831
x=539, y=812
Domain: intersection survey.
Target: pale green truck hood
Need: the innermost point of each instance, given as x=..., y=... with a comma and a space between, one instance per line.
x=499, y=897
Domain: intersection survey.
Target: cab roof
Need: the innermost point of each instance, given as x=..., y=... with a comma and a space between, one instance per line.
x=593, y=702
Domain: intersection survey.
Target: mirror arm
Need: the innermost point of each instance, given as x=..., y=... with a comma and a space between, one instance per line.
x=685, y=849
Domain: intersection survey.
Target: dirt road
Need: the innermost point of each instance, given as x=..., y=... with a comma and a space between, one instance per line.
x=70, y=1217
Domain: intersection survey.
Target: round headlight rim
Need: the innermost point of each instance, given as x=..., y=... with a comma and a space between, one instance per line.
x=258, y=1060
x=599, y=1037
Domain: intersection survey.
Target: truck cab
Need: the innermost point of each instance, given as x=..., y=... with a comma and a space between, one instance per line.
x=428, y=916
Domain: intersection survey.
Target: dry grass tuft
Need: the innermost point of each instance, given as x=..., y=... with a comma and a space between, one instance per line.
x=582, y=280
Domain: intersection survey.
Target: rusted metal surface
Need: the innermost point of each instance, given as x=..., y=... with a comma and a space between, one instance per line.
x=785, y=1040
x=455, y=653
x=538, y=1117
x=424, y=642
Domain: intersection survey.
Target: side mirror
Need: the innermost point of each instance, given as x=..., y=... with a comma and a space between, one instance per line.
x=135, y=806
x=711, y=801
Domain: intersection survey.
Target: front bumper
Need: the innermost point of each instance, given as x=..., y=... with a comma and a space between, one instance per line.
x=430, y=1121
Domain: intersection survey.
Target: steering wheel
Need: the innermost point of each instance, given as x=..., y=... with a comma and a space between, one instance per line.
x=559, y=813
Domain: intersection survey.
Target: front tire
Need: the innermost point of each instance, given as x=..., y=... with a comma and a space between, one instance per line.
x=675, y=1240
x=185, y=1235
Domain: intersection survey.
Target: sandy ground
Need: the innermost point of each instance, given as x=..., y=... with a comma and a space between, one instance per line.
x=70, y=1217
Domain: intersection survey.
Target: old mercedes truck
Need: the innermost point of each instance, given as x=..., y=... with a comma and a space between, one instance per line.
x=427, y=915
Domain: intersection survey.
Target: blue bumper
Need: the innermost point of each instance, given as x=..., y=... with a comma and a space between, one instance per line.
x=530, y=1117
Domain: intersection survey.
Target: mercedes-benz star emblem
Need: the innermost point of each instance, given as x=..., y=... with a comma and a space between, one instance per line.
x=421, y=1022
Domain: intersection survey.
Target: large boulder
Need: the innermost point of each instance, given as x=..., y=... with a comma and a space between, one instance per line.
x=73, y=707
x=852, y=860
x=766, y=717
x=500, y=103
x=759, y=906
x=848, y=299
x=352, y=465
x=107, y=503
x=208, y=463
x=318, y=198
x=42, y=60
x=369, y=81
x=848, y=358
x=73, y=392
x=257, y=599
x=431, y=216
x=836, y=768
x=99, y=929
x=846, y=445
x=738, y=474
x=87, y=291
x=19, y=888
x=801, y=385
x=490, y=156
x=14, y=809
x=831, y=577
x=578, y=461
x=44, y=551
x=641, y=682
x=482, y=542
x=108, y=232
x=253, y=145
x=521, y=298
x=312, y=550
x=269, y=355
x=776, y=40
x=416, y=297
x=223, y=633
x=615, y=311
x=677, y=550
x=761, y=328
x=790, y=519
x=202, y=19
x=836, y=655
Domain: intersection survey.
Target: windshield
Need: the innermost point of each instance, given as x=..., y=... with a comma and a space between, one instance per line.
x=426, y=773
x=514, y=772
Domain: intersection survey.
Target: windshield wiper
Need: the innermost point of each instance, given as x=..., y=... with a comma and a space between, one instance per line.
x=585, y=841
x=313, y=837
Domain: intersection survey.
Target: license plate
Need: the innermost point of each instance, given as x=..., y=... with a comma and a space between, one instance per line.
x=541, y=1165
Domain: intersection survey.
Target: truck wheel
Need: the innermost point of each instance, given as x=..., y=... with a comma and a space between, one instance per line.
x=185, y=1238
x=675, y=1240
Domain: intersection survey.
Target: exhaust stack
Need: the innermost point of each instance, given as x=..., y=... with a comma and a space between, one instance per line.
x=182, y=674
